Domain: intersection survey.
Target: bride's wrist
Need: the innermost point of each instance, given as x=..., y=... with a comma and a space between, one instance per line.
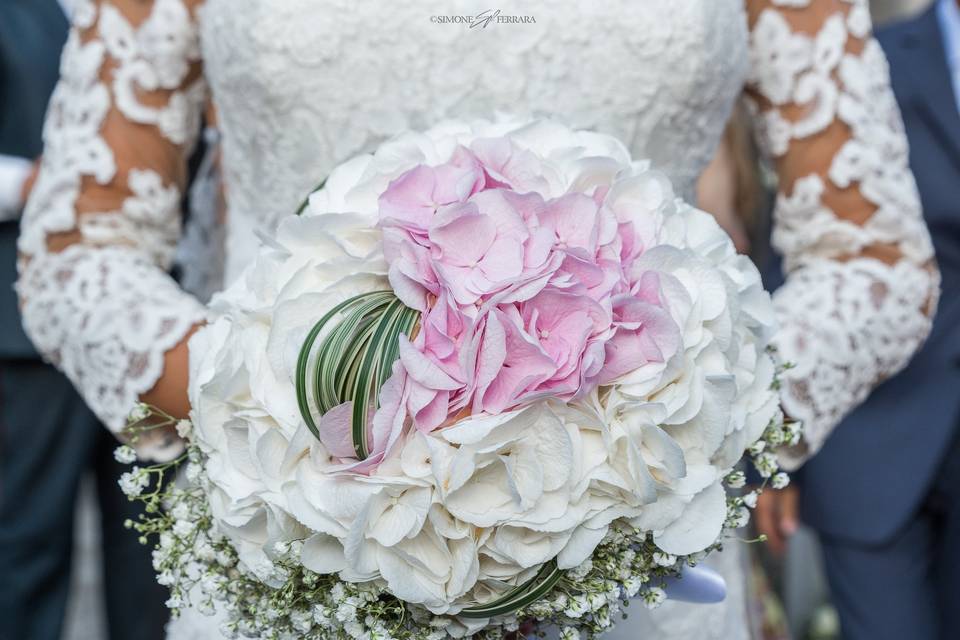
x=170, y=392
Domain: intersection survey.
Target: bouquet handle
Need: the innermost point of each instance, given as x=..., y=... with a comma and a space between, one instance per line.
x=698, y=585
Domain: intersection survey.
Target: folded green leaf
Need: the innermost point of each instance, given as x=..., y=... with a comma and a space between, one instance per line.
x=519, y=597
x=353, y=361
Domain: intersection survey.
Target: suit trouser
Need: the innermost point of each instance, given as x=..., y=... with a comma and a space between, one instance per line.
x=909, y=587
x=48, y=441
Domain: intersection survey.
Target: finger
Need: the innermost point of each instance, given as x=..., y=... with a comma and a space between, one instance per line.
x=789, y=508
x=766, y=523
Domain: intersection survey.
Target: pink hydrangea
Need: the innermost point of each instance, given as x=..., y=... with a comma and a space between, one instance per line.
x=522, y=297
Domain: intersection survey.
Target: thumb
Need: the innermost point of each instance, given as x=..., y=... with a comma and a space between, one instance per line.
x=767, y=521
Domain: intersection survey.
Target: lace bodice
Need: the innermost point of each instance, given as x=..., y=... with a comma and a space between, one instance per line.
x=312, y=82
x=301, y=85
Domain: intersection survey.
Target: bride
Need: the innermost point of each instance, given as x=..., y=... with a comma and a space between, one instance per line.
x=301, y=85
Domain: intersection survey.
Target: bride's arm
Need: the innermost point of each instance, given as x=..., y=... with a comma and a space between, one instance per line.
x=102, y=222
x=862, y=284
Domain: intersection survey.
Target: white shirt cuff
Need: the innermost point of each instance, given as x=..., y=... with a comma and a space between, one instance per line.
x=13, y=173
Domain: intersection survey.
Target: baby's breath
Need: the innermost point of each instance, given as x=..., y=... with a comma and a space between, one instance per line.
x=286, y=600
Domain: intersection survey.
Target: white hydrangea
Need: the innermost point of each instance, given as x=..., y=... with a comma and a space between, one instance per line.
x=652, y=451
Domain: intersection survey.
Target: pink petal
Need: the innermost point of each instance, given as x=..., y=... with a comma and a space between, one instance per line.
x=389, y=419
x=423, y=370
x=418, y=397
x=504, y=162
x=440, y=328
x=564, y=323
x=656, y=339
x=408, y=200
x=459, y=179
x=434, y=413
x=567, y=340
x=457, y=281
x=583, y=269
x=526, y=366
x=648, y=288
x=494, y=154
x=411, y=293
x=336, y=431
x=594, y=358
x=532, y=283
x=501, y=207
x=573, y=218
x=491, y=354
x=537, y=248
x=409, y=258
x=503, y=260
x=462, y=235
x=553, y=307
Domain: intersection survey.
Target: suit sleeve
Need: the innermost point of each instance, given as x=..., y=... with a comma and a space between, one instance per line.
x=861, y=285
x=101, y=225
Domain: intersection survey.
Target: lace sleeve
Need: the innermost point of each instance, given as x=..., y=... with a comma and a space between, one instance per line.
x=861, y=284
x=101, y=226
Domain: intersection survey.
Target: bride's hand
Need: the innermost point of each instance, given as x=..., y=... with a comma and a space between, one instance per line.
x=170, y=392
x=777, y=517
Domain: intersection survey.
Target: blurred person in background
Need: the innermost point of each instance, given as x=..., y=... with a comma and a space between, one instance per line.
x=884, y=492
x=48, y=437
x=736, y=190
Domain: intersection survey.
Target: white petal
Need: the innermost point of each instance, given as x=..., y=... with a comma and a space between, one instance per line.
x=581, y=546
x=323, y=554
x=402, y=518
x=700, y=524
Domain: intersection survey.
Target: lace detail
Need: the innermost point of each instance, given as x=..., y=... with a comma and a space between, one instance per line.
x=663, y=80
x=861, y=287
x=104, y=309
x=302, y=85
x=860, y=319
x=89, y=311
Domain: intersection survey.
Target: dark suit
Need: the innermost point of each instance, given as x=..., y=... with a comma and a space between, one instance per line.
x=884, y=492
x=48, y=438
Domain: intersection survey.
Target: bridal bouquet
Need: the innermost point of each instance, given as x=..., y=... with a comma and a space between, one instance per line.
x=493, y=372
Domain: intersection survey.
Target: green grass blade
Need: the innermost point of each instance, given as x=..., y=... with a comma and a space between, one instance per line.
x=520, y=597
x=353, y=360
x=375, y=370
x=303, y=361
x=306, y=201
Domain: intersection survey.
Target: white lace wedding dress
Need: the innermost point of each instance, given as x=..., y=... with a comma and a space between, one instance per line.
x=301, y=85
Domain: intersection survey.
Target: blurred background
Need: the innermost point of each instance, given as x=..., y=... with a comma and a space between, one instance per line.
x=886, y=10
x=790, y=590
x=791, y=598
